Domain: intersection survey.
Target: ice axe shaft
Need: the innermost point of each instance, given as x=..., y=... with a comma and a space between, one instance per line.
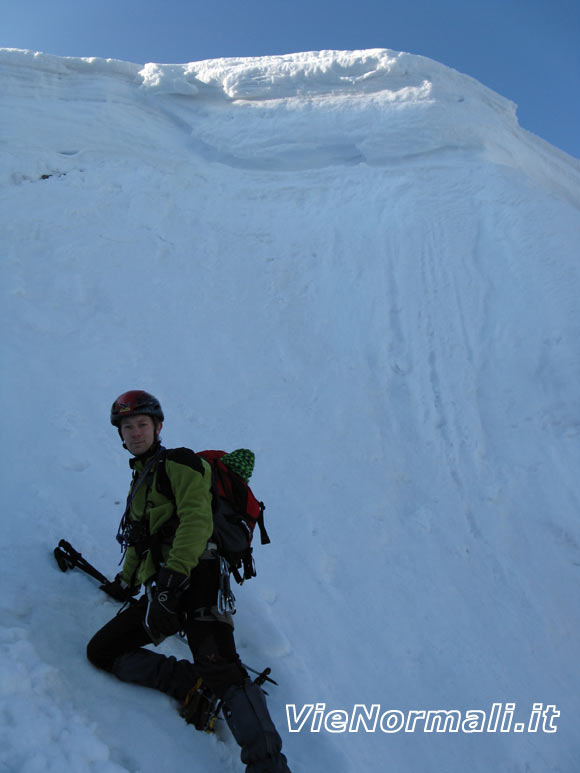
x=69, y=558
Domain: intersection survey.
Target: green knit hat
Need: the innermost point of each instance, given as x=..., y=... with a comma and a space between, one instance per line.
x=240, y=461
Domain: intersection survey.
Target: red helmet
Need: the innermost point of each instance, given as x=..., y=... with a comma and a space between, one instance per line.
x=135, y=403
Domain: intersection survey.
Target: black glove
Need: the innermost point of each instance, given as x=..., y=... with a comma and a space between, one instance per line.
x=163, y=617
x=119, y=589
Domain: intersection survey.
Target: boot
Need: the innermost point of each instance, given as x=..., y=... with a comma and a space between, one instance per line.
x=248, y=718
x=201, y=707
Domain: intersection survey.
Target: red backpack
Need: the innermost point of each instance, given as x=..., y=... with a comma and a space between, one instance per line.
x=236, y=511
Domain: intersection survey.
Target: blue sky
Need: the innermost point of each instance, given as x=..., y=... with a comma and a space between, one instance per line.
x=527, y=50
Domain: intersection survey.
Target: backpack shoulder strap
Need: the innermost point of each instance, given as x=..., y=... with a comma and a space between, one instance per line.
x=162, y=482
x=183, y=456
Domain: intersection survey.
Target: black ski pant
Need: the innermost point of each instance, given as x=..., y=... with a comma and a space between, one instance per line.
x=119, y=647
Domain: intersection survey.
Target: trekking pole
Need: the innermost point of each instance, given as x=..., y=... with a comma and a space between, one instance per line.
x=69, y=558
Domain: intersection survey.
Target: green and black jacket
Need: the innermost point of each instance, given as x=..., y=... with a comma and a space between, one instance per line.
x=185, y=536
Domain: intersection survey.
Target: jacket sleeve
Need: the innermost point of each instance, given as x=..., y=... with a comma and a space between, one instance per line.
x=130, y=566
x=190, y=479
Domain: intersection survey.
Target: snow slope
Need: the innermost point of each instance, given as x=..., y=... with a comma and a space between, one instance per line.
x=360, y=266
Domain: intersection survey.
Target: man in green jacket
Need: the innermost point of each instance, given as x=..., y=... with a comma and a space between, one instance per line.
x=170, y=554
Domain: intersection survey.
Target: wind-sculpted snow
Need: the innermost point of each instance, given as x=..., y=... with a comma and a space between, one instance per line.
x=312, y=75
x=358, y=265
x=400, y=76
x=380, y=108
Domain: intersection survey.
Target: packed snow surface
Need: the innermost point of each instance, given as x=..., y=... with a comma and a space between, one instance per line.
x=360, y=266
